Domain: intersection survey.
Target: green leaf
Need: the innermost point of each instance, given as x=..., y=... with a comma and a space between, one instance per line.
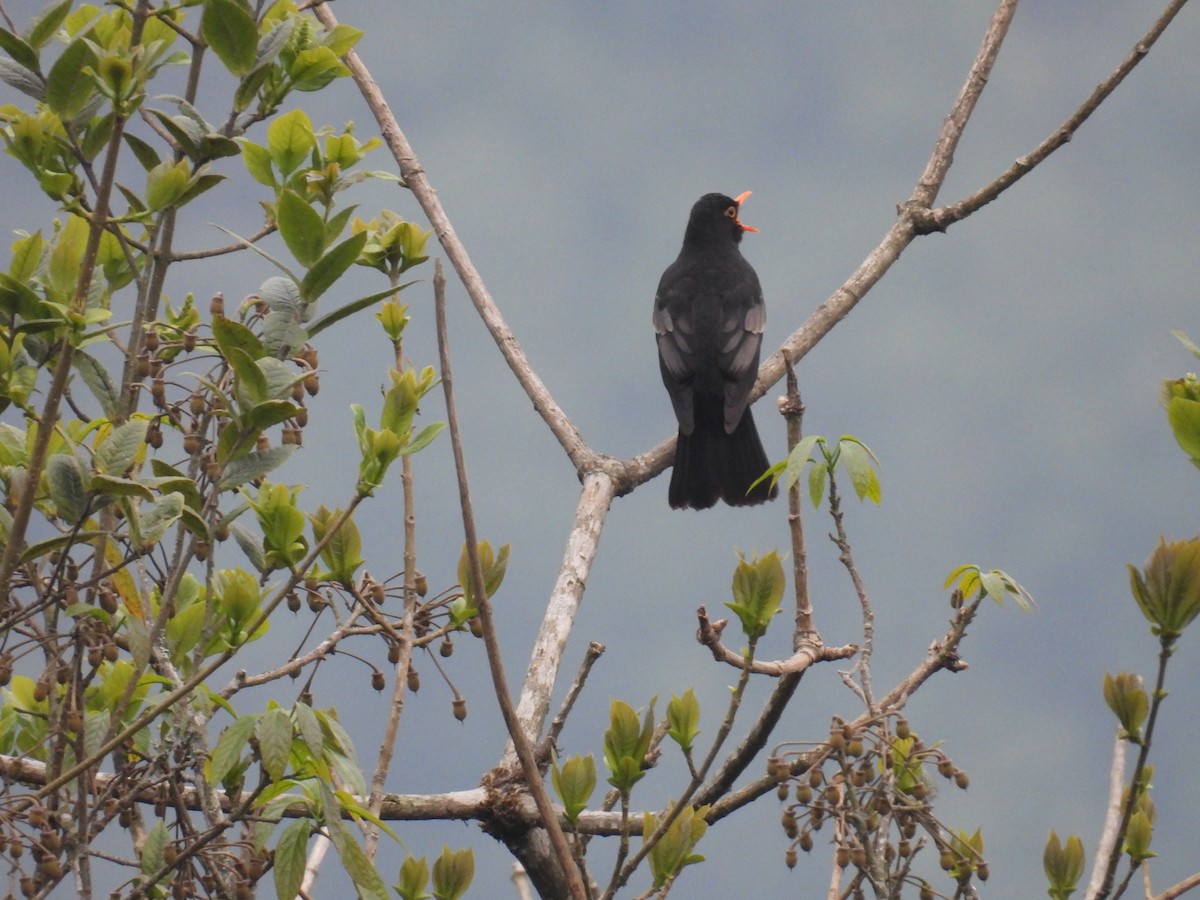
x=152, y=858
x=343, y=554
x=230, y=30
x=99, y=382
x=120, y=449
x=258, y=163
x=46, y=24
x=68, y=486
x=493, y=565
x=113, y=486
x=66, y=256
x=1063, y=865
x=799, y=457
x=197, y=185
x=626, y=744
x=22, y=79
x=270, y=412
x=68, y=86
x=165, y=184
x=314, y=68
x=1184, y=416
x=818, y=475
x=352, y=307
x=1138, y=837
x=1129, y=702
x=17, y=297
x=301, y=228
x=44, y=548
x=330, y=267
x=291, y=858
x=237, y=598
x=414, y=875
x=228, y=751
x=574, y=783
x=152, y=523
x=857, y=459
x=254, y=465
x=356, y=863
x=26, y=256
x=251, y=545
x=290, y=139
x=309, y=727
x=1168, y=590
x=683, y=719
x=452, y=873
x=758, y=587
x=230, y=334
x=674, y=850
x=145, y=154
x=22, y=54
x=250, y=384
x=424, y=437
x=274, y=733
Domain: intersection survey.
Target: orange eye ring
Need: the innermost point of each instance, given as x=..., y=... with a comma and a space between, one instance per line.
x=732, y=212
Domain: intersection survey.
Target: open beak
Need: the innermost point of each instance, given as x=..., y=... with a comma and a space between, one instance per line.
x=738, y=200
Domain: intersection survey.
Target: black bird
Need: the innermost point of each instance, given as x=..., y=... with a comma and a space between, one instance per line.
x=708, y=316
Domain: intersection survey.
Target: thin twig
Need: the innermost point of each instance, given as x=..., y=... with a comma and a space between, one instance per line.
x=846, y=556
x=594, y=651
x=1178, y=890
x=521, y=741
x=387, y=746
x=792, y=410
x=709, y=634
x=942, y=157
x=941, y=219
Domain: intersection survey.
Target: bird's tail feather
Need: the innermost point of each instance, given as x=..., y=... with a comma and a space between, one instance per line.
x=711, y=465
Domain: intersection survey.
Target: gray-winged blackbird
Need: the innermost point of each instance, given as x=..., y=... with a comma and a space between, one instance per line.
x=708, y=316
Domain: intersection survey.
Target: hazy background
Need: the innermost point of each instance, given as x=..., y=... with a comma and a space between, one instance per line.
x=1006, y=374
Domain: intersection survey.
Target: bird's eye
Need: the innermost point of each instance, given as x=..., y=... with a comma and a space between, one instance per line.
x=732, y=212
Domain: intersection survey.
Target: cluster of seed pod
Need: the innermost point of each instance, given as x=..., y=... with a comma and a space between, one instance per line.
x=430, y=623
x=200, y=415
x=875, y=784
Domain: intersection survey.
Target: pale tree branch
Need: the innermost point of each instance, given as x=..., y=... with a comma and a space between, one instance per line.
x=1112, y=817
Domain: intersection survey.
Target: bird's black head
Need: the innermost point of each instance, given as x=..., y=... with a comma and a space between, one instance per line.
x=714, y=219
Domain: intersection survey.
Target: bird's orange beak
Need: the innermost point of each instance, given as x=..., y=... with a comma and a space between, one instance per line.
x=738, y=200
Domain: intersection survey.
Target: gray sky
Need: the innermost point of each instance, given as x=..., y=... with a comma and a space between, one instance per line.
x=1005, y=373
